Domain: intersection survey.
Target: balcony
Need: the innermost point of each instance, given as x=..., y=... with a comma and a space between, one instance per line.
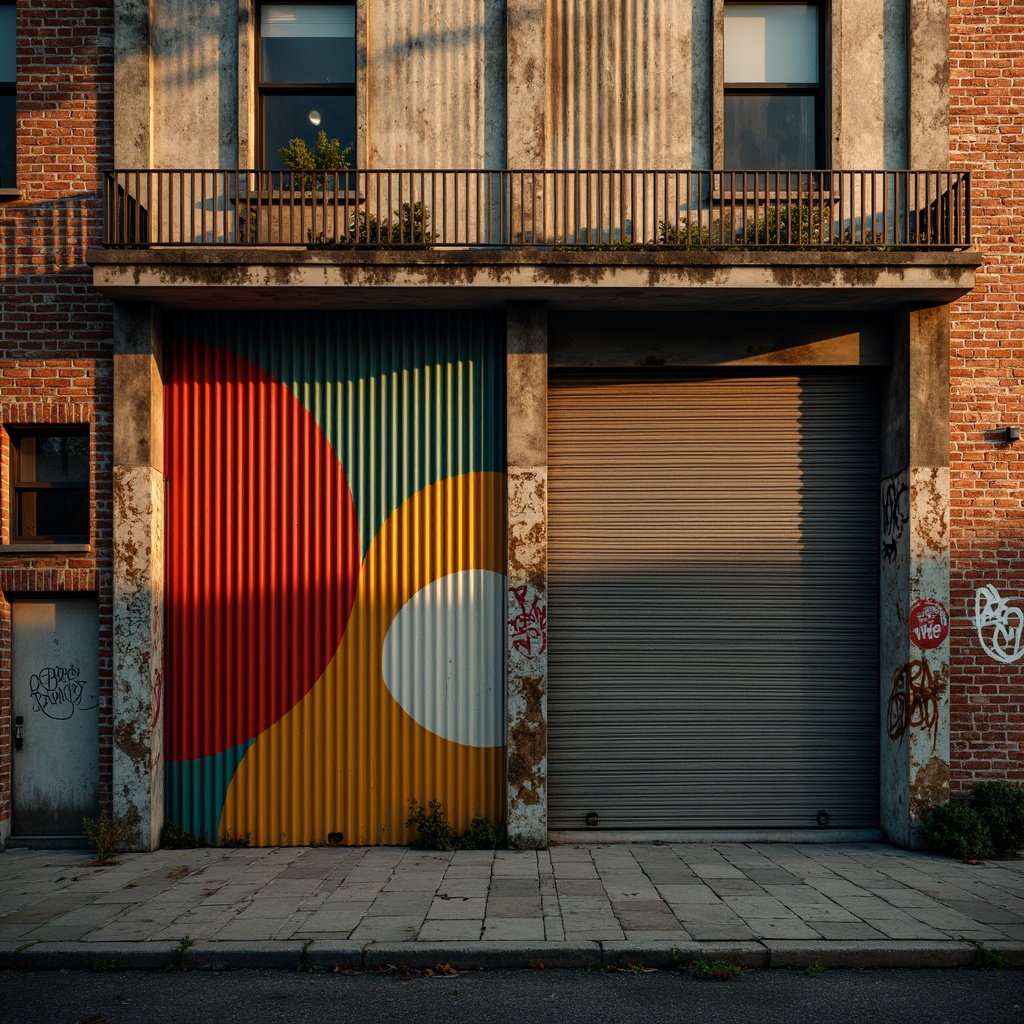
x=663, y=239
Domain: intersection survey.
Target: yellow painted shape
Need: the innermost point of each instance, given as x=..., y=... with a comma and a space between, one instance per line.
x=348, y=758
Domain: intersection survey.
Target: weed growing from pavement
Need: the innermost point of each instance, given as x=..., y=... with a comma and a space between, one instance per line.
x=112, y=833
x=714, y=970
x=814, y=970
x=990, y=959
x=100, y=964
x=179, y=955
x=305, y=964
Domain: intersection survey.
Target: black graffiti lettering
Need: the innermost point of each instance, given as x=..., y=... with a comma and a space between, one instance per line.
x=58, y=692
x=895, y=516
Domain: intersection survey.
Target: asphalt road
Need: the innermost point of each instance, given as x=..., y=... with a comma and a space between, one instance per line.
x=518, y=997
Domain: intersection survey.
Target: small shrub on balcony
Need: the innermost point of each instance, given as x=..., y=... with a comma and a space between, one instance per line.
x=687, y=234
x=314, y=166
x=408, y=227
x=786, y=224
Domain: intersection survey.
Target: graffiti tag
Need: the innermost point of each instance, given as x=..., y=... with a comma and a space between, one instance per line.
x=528, y=624
x=929, y=624
x=59, y=693
x=914, y=701
x=895, y=516
x=1000, y=625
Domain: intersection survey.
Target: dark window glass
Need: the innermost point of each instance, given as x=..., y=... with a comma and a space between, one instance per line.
x=301, y=115
x=771, y=131
x=307, y=75
x=7, y=83
x=7, y=123
x=51, y=485
x=327, y=61
x=773, y=86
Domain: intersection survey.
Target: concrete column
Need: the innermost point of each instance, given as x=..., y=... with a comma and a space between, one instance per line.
x=526, y=82
x=928, y=84
x=527, y=381
x=138, y=779
x=914, y=655
x=133, y=84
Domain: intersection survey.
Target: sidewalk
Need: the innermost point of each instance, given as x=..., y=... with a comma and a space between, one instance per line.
x=856, y=905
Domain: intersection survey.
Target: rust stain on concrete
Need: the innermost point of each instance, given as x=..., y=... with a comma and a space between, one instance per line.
x=930, y=787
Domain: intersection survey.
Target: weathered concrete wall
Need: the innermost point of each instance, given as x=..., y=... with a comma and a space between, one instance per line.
x=928, y=144
x=619, y=84
x=914, y=579
x=869, y=84
x=527, y=381
x=435, y=83
x=178, y=83
x=138, y=570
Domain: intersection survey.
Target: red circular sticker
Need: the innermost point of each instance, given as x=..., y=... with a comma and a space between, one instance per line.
x=929, y=624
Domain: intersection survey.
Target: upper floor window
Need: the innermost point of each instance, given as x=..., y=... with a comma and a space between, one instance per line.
x=50, y=485
x=307, y=75
x=7, y=83
x=774, y=105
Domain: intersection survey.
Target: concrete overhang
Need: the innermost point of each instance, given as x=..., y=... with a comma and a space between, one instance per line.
x=298, y=278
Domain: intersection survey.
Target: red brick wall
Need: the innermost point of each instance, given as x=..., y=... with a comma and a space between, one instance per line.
x=987, y=354
x=55, y=332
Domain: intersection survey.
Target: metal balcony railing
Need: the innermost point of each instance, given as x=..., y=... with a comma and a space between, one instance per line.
x=511, y=209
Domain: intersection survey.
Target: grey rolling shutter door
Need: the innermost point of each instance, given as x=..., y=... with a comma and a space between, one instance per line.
x=713, y=653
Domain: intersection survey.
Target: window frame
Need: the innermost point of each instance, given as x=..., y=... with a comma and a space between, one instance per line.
x=264, y=88
x=10, y=88
x=820, y=91
x=19, y=487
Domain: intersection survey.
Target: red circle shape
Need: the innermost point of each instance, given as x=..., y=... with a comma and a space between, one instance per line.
x=263, y=550
x=929, y=624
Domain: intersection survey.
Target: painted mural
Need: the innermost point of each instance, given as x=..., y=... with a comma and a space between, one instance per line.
x=336, y=597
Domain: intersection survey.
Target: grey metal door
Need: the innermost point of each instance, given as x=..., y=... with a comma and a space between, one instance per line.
x=56, y=714
x=713, y=601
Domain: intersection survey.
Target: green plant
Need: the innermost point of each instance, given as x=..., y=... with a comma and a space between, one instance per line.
x=482, y=835
x=112, y=833
x=172, y=837
x=791, y=223
x=103, y=964
x=814, y=970
x=1001, y=806
x=408, y=226
x=957, y=828
x=432, y=829
x=315, y=166
x=228, y=840
x=714, y=970
x=305, y=964
x=990, y=959
x=686, y=234
x=179, y=955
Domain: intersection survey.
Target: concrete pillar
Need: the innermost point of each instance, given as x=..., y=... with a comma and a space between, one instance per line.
x=527, y=377
x=914, y=648
x=133, y=84
x=928, y=84
x=138, y=779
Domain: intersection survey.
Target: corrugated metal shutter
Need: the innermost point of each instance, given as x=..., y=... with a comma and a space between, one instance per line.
x=713, y=601
x=335, y=572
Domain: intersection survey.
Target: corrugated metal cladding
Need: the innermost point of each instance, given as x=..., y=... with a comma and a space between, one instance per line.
x=435, y=94
x=619, y=86
x=335, y=596
x=713, y=624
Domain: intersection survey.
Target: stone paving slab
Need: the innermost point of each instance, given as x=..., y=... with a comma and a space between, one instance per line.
x=862, y=904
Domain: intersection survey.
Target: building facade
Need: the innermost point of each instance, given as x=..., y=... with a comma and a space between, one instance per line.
x=613, y=435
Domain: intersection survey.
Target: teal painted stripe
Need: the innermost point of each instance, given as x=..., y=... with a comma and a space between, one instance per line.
x=406, y=398
x=196, y=790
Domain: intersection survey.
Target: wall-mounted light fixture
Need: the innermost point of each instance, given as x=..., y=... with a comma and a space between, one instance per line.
x=1011, y=434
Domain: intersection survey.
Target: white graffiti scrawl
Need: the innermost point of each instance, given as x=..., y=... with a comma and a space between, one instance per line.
x=1000, y=625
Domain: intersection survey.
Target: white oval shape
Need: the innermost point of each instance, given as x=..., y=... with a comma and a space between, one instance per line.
x=443, y=657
